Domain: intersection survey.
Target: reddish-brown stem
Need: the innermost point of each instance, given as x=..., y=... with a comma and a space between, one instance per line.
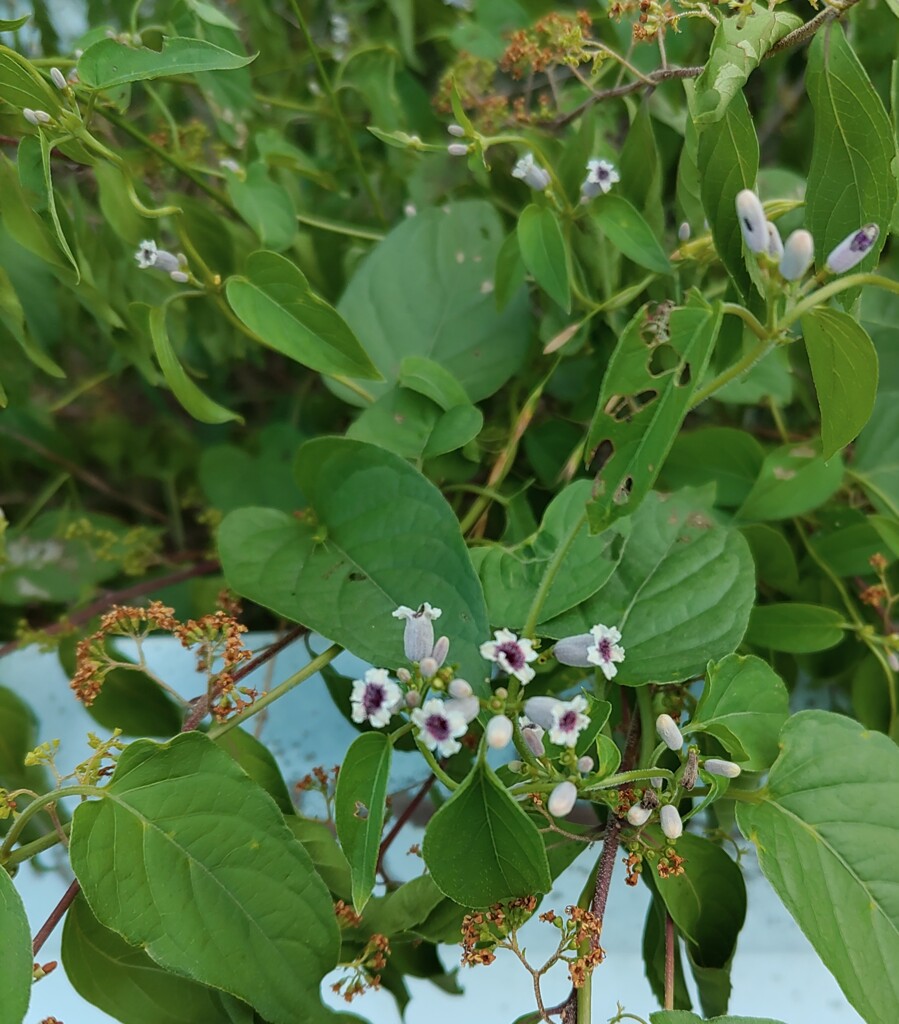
x=55, y=917
x=404, y=817
x=113, y=597
x=669, y=962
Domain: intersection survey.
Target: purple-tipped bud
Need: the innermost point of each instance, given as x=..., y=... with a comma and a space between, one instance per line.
x=499, y=732
x=457, y=149
x=672, y=826
x=413, y=698
x=585, y=764
x=429, y=668
x=468, y=707
x=459, y=688
x=441, y=649
x=775, y=245
x=533, y=738
x=669, y=733
x=753, y=222
x=457, y=130
x=638, y=814
x=683, y=232
x=853, y=249
x=799, y=251
x=726, y=769
x=562, y=799
x=58, y=78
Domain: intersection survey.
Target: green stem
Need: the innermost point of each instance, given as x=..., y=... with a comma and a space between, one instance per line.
x=834, y=288
x=752, y=322
x=325, y=658
x=341, y=120
x=441, y=775
x=549, y=576
x=34, y=808
x=339, y=227
x=32, y=849
x=585, y=1000
x=623, y=778
x=647, y=725
x=757, y=352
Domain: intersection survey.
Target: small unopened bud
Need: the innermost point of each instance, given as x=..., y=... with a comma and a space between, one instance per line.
x=585, y=764
x=35, y=117
x=460, y=688
x=726, y=769
x=683, y=232
x=562, y=799
x=515, y=766
x=672, y=826
x=457, y=149
x=413, y=698
x=691, y=771
x=499, y=732
x=179, y=276
x=657, y=782
x=468, y=707
x=852, y=249
x=404, y=675
x=799, y=251
x=669, y=733
x=429, y=668
x=753, y=222
x=534, y=741
x=441, y=649
x=58, y=78
x=457, y=130
x=638, y=814
x=775, y=245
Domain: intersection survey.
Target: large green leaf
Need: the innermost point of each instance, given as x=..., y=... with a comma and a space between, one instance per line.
x=542, y=249
x=481, y=847
x=639, y=411
x=274, y=300
x=743, y=705
x=731, y=458
x=359, y=805
x=850, y=180
x=577, y=562
x=827, y=832
x=15, y=954
x=728, y=162
x=795, y=628
x=188, y=858
x=844, y=368
x=123, y=981
x=21, y=85
x=876, y=462
x=794, y=479
x=376, y=535
x=319, y=842
x=265, y=205
x=686, y=1017
x=675, y=547
x=739, y=45
x=626, y=228
x=108, y=62
x=426, y=290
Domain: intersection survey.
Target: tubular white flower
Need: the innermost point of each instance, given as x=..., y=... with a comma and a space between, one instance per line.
x=439, y=727
x=572, y=650
x=568, y=721
x=457, y=149
x=562, y=799
x=468, y=707
x=726, y=769
x=511, y=654
x=638, y=814
x=149, y=255
x=601, y=176
x=539, y=711
x=460, y=688
x=499, y=732
x=605, y=650
x=375, y=698
x=418, y=636
x=531, y=173
x=669, y=733
x=672, y=826
x=853, y=249
x=799, y=251
x=58, y=79
x=752, y=219
x=775, y=244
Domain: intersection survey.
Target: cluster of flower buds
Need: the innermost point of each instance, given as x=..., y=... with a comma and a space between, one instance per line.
x=795, y=256
x=149, y=255
x=36, y=117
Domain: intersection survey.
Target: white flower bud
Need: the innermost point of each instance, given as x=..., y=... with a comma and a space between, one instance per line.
x=429, y=668
x=585, y=764
x=669, y=733
x=179, y=276
x=533, y=738
x=30, y=116
x=413, y=698
x=499, y=732
x=852, y=249
x=457, y=149
x=441, y=649
x=753, y=222
x=683, y=232
x=672, y=826
x=58, y=78
x=657, y=782
x=460, y=688
x=775, y=245
x=457, y=130
x=410, y=210
x=468, y=707
x=726, y=769
x=799, y=251
x=404, y=675
x=562, y=799
x=515, y=766
x=638, y=814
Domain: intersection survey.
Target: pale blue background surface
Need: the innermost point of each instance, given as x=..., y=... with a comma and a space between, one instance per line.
x=776, y=972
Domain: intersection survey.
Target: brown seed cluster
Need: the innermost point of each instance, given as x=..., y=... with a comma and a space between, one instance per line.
x=671, y=865
x=556, y=40
x=346, y=915
x=584, y=928
x=365, y=970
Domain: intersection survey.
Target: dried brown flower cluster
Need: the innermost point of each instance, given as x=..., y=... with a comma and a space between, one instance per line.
x=219, y=635
x=365, y=969
x=671, y=864
x=347, y=917
x=556, y=40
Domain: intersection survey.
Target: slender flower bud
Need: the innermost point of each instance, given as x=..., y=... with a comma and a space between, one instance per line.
x=58, y=78
x=683, y=232
x=531, y=173
x=691, y=771
x=753, y=223
x=468, y=707
x=429, y=667
x=457, y=149
x=418, y=636
x=30, y=116
x=457, y=130
x=775, y=245
x=533, y=738
x=459, y=688
x=441, y=649
x=799, y=251
x=499, y=732
x=638, y=814
x=672, y=826
x=562, y=799
x=852, y=249
x=669, y=733
x=727, y=769
x=585, y=764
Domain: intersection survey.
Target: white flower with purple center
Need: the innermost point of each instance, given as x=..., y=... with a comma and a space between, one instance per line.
x=605, y=651
x=568, y=721
x=375, y=698
x=439, y=726
x=601, y=176
x=511, y=654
